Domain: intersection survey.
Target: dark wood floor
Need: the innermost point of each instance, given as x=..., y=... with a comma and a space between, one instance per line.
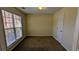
x=40, y=43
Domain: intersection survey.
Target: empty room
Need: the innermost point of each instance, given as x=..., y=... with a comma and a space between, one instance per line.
x=39, y=29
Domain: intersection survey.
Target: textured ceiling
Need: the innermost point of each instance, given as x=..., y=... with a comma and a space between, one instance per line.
x=35, y=10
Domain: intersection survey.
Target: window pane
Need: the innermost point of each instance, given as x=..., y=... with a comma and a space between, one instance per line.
x=7, y=19
x=10, y=37
x=17, y=21
x=18, y=33
x=9, y=23
x=8, y=14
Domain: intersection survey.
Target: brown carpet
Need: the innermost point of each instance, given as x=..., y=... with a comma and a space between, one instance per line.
x=39, y=43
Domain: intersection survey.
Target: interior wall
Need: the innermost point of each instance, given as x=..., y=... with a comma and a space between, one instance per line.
x=2, y=39
x=69, y=25
x=54, y=24
x=13, y=10
x=39, y=25
x=76, y=33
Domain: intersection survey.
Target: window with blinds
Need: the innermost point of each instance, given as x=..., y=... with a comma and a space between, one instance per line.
x=12, y=26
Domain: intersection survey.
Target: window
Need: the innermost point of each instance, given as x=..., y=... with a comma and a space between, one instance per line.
x=12, y=27
x=18, y=26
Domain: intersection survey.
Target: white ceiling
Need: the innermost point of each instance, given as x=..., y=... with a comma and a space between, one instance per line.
x=34, y=10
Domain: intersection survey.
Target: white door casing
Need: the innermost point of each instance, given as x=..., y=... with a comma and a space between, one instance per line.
x=75, y=46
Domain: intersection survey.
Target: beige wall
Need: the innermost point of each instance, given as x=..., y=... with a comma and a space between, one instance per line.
x=54, y=23
x=39, y=25
x=69, y=25
x=16, y=11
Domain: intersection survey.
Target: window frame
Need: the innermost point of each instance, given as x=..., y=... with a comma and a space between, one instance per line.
x=11, y=28
x=17, y=27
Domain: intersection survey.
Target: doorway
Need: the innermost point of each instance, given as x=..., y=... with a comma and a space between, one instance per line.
x=60, y=19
